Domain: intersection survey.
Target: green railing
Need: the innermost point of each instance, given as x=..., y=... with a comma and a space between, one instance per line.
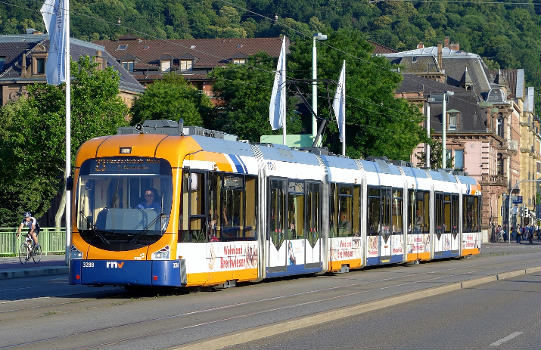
x=51, y=239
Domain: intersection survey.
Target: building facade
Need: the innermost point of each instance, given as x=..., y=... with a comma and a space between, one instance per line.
x=489, y=133
x=23, y=58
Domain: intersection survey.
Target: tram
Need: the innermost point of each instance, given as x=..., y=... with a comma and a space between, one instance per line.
x=224, y=211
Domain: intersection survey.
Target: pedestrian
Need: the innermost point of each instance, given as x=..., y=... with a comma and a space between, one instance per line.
x=519, y=234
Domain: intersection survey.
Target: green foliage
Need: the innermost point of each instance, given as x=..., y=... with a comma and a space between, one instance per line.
x=171, y=98
x=436, y=149
x=246, y=90
x=377, y=124
x=508, y=33
x=32, y=137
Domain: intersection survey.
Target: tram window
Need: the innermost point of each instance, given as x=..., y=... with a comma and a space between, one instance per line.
x=250, y=228
x=312, y=212
x=276, y=212
x=333, y=195
x=345, y=210
x=356, y=211
x=295, y=210
x=447, y=213
x=374, y=211
x=386, y=213
x=454, y=216
x=397, y=211
x=193, y=208
x=418, y=211
x=423, y=210
x=470, y=213
x=438, y=211
x=231, y=211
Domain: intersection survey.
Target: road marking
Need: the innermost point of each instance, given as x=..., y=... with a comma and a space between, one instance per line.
x=503, y=340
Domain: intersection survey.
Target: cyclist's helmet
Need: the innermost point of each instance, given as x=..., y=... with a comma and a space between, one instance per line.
x=27, y=215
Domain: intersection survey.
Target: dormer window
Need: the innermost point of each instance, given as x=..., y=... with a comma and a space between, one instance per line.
x=453, y=117
x=165, y=65
x=186, y=65
x=38, y=63
x=40, y=66
x=128, y=65
x=239, y=61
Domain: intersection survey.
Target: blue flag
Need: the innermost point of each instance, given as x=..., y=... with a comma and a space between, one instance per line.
x=54, y=18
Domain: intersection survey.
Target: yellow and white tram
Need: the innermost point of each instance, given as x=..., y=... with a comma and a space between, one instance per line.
x=225, y=211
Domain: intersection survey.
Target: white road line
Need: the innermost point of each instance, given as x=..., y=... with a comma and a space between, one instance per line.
x=503, y=340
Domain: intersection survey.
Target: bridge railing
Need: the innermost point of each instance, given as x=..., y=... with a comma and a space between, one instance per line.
x=51, y=239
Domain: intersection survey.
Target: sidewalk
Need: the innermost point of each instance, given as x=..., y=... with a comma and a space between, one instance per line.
x=49, y=265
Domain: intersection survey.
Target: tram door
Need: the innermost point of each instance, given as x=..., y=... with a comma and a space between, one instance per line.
x=446, y=240
x=276, y=230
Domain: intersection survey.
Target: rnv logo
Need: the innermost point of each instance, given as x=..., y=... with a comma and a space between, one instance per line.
x=114, y=265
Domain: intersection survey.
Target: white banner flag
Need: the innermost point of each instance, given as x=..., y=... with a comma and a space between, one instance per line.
x=54, y=18
x=339, y=104
x=277, y=107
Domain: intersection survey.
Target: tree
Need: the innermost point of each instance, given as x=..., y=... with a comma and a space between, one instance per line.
x=32, y=140
x=377, y=123
x=171, y=98
x=436, y=149
x=245, y=92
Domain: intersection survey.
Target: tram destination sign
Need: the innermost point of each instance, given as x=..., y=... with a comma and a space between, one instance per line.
x=125, y=165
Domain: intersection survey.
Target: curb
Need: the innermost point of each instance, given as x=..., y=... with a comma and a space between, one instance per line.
x=261, y=332
x=39, y=271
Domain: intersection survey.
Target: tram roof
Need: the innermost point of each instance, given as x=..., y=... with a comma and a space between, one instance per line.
x=414, y=172
x=223, y=146
x=467, y=180
x=286, y=154
x=442, y=175
x=339, y=162
x=380, y=166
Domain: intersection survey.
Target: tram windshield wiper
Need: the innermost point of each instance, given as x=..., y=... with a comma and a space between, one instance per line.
x=92, y=228
x=146, y=229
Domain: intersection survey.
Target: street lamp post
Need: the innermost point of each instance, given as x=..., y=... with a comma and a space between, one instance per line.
x=427, y=145
x=316, y=37
x=444, y=129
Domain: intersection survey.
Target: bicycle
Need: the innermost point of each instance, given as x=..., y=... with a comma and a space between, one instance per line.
x=28, y=250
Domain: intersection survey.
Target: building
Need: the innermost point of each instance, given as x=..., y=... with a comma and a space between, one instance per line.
x=149, y=60
x=23, y=57
x=489, y=135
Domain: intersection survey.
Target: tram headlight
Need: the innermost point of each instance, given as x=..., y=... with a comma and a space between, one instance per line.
x=75, y=253
x=162, y=254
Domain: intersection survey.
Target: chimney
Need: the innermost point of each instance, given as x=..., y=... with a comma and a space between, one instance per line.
x=420, y=45
x=23, y=66
x=446, y=42
x=440, y=60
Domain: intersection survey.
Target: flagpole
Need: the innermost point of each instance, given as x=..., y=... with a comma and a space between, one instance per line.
x=68, y=128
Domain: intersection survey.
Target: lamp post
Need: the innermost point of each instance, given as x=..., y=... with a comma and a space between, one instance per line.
x=316, y=37
x=444, y=129
x=427, y=145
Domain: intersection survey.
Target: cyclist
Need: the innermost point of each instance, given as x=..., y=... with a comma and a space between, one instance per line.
x=33, y=227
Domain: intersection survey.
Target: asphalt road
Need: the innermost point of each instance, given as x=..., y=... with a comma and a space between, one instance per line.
x=79, y=317
x=500, y=315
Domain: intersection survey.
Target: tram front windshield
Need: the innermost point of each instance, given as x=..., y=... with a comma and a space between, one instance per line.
x=123, y=203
